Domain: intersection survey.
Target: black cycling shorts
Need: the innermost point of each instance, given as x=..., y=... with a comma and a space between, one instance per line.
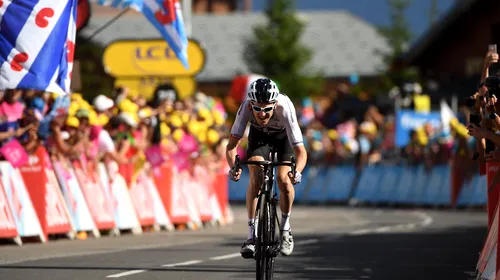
x=259, y=144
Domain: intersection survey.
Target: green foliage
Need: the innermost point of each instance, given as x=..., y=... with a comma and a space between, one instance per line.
x=276, y=52
x=398, y=36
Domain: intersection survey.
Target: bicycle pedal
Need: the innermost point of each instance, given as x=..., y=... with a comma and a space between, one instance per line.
x=273, y=251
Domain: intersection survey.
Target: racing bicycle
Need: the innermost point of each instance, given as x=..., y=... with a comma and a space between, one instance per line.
x=267, y=243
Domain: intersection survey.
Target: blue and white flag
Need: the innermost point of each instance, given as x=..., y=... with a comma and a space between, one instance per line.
x=37, y=42
x=133, y=4
x=166, y=17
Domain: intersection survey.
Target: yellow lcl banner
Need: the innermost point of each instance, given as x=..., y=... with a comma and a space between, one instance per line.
x=143, y=64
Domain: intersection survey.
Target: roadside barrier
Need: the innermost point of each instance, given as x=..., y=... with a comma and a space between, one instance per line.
x=76, y=198
x=381, y=185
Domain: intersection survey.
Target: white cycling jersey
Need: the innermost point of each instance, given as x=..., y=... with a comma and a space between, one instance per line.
x=284, y=118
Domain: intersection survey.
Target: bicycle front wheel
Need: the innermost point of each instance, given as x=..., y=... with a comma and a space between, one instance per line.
x=260, y=245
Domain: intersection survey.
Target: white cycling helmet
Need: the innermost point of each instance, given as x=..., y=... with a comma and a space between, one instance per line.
x=263, y=90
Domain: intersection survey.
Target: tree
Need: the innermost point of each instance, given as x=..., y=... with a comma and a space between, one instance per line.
x=398, y=36
x=276, y=52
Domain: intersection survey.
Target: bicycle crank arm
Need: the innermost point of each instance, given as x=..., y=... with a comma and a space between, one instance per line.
x=273, y=251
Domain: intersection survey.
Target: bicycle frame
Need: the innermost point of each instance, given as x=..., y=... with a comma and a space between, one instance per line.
x=267, y=242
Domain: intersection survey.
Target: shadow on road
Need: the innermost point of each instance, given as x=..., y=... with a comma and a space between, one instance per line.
x=440, y=254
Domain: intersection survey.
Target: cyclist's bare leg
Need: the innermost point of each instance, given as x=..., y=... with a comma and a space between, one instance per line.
x=287, y=192
x=287, y=195
x=253, y=187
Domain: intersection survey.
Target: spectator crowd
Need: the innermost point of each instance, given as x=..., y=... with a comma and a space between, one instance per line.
x=121, y=127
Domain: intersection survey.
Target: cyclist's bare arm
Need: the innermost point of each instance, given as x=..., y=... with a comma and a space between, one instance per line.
x=294, y=133
x=231, y=149
x=237, y=131
x=301, y=160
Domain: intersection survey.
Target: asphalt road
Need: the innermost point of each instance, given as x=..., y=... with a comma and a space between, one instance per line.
x=331, y=243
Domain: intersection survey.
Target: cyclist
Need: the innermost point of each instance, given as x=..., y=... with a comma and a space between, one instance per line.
x=273, y=122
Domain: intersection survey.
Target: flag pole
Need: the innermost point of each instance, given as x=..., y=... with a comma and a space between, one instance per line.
x=187, y=12
x=104, y=26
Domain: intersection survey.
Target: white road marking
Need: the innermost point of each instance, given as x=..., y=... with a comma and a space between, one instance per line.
x=329, y=268
x=426, y=221
x=126, y=273
x=225, y=257
x=307, y=242
x=182, y=263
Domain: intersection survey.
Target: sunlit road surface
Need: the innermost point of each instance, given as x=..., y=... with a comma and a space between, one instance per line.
x=330, y=243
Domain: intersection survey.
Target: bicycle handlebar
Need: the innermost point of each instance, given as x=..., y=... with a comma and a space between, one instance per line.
x=238, y=163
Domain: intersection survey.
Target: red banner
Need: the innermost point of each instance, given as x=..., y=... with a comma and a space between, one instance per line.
x=176, y=206
x=99, y=206
x=489, y=245
x=143, y=202
x=45, y=195
x=8, y=227
x=493, y=191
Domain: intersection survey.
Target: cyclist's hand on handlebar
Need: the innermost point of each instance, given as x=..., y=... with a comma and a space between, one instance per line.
x=235, y=174
x=295, y=178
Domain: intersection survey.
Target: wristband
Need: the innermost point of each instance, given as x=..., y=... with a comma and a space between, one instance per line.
x=492, y=116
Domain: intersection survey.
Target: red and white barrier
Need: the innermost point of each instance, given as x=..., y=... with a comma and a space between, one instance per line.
x=45, y=195
x=168, y=186
x=8, y=227
x=42, y=198
x=21, y=207
x=100, y=206
x=488, y=265
x=78, y=209
x=116, y=190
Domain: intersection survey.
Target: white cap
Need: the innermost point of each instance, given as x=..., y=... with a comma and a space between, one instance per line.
x=103, y=103
x=128, y=119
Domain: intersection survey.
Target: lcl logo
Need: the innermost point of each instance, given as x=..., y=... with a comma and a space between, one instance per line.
x=154, y=53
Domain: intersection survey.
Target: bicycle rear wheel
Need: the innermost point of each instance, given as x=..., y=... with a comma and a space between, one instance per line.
x=260, y=245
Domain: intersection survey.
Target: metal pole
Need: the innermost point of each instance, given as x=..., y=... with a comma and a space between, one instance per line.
x=187, y=6
x=106, y=25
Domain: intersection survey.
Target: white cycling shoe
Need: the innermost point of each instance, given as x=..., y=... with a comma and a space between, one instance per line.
x=286, y=243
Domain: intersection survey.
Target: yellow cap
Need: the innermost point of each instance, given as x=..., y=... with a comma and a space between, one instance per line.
x=76, y=96
x=72, y=122
x=212, y=136
x=164, y=129
x=185, y=117
x=145, y=113
x=204, y=113
x=202, y=137
x=102, y=119
x=332, y=133
x=128, y=106
x=178, y=134
x=176, y=121
x=93, y=119
x=73, y=108
x=218, y=118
